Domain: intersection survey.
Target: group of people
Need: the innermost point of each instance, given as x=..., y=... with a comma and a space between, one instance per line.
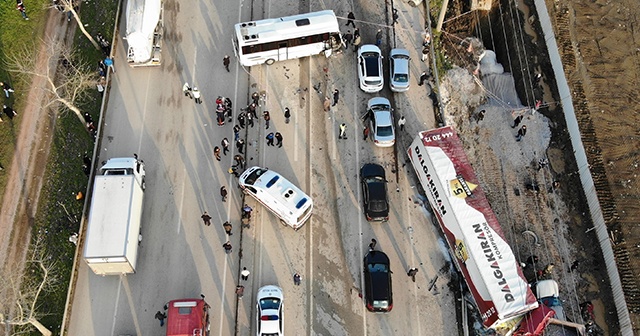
x=223, y=109
x=350, y=38
x=6, y=108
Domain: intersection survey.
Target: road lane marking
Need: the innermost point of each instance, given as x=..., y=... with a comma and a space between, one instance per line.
x=132, y=306
x=222, y=294
x=184, y=176
x=144, y=111
x=310, y=243
x=115, y=308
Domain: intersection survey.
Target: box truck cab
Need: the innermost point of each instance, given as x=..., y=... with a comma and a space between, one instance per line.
x=113, y=229
x=188, y=317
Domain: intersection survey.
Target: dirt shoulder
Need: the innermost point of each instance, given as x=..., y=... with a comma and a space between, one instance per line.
x=28, y=166
x=599, y=47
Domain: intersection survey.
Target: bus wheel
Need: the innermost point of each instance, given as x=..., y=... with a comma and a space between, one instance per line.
x=283, y=223
x=270, y=61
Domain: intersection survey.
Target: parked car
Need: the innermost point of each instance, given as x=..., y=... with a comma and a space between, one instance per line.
x=399, y=70
x=377, y=282
x=370, y=68
x=374, y=192
x=269, y=311
x=381, y=119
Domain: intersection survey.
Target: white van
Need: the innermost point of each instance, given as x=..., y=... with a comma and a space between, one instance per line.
x=284, y=199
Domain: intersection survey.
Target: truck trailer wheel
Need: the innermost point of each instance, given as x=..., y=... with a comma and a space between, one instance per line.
x=270, y=61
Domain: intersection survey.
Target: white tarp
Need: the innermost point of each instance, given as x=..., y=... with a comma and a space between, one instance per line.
x=142, y=19
x=475, y=237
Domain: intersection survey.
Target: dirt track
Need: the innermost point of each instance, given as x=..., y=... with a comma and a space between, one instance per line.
x=28, y=166
x=600, y=44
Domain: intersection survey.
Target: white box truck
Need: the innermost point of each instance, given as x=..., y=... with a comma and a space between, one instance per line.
x=145, y=27
x=113, y=231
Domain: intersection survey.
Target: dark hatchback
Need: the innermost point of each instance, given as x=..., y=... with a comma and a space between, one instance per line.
x=377, y=282
x=374, y=192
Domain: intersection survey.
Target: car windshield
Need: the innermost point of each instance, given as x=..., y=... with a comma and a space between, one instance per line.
x=269, y=303
x=401, y=78
x=384, y=131
x=380, y=107
x=375, y=268
x=253, y=177
x=377, y=205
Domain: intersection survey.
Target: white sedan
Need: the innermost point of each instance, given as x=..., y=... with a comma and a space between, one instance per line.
x=269, y=311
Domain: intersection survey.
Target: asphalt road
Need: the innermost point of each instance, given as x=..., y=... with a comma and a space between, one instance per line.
x=179, y=257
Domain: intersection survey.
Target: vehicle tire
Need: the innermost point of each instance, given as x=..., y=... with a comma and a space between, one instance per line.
x=144, y=185
x=283, y=223
x=270, y=61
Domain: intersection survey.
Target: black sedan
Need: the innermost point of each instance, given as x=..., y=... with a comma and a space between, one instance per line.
x=374, y=192
x=377, y=282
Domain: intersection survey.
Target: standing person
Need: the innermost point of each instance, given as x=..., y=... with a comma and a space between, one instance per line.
x=252, y=108
x=267, y=117
x=228, y=108
x=206, y=219
x=240, y=291
x=196, y=95
x=336, y=97
x=255, y=97
x=223, y=193
x=227, y=247
x=227, y=228
x=481, y=116
x=516, y=121
x=365, y=133
x=343, y=131
x=372, y=245
x=379, y=38
x=246, y=211
x=244, y=275
x=297, y=279
x=108, y=61
x=241, y=119
x=236, y=132
x=278, y=137
x=226, y=60
x=7, y=88
x=10, y=112
x=395, y=16
x=225, y=146
x=270, y=139
x=401, y=123
x=239, y=160
x=356, y=39
x=327, y=104
x=287, y=115
x=216, y=152
x=23, y=10
x=521, y=132
x=161, y=316
x=423, y=77
x=412, y=273
x=186, y=89
x=250, y=119
x=240, y=146
x=347, y=38
x=350, y=18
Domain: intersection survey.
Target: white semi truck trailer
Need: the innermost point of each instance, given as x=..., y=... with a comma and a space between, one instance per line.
x=145, y=28
x=113, y=231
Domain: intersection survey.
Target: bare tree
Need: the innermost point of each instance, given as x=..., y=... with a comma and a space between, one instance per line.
x=69, y=6
x=20, y=305
x=67, y=78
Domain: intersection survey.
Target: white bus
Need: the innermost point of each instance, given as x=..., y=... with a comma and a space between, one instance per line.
x=270, y=40
x=284, y=199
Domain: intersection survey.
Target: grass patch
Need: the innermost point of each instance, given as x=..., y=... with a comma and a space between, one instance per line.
x=59, y=213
